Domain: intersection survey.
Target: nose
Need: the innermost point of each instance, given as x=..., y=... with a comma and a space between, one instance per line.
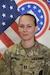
x=25, y=29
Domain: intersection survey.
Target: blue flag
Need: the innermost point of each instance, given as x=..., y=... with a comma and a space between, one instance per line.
x=8, y=14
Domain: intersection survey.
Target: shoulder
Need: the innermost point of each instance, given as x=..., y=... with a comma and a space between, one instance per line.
x=42, y=48
x=45, y=50
x=12, y=49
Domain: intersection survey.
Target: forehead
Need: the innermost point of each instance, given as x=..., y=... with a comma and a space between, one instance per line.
x=26, y=18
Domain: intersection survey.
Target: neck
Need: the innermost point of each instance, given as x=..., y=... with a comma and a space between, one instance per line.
x=28, y=43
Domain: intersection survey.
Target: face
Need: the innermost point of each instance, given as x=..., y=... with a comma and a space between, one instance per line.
x=26, y=27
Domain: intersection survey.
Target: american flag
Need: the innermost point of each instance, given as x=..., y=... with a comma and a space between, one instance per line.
x=8, y=23
x=8, y=26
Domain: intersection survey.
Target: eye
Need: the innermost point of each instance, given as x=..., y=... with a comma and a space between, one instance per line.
x=22, y=26
x=29, y=26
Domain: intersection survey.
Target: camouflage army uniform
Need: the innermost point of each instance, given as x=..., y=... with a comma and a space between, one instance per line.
x=18, y=60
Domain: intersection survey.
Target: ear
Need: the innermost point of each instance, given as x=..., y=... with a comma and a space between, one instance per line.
x=36, y=28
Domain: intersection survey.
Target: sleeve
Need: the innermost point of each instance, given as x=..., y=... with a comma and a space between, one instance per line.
x=47, y=64
x=5, y=62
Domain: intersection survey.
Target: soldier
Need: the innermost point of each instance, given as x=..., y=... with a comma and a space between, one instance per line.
x=29, y=57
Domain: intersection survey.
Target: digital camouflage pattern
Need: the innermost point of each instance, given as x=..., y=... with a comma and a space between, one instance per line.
x=18, y=60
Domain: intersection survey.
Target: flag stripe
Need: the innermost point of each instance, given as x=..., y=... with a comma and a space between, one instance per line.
x=2, y=47
x=49, y=28
x=12, y=35
x=8, y=42
x=14, y=26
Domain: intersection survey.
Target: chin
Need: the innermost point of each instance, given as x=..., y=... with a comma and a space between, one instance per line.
x=26, y=39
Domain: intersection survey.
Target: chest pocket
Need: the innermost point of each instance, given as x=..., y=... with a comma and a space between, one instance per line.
x=37, y=64
x=16, y=64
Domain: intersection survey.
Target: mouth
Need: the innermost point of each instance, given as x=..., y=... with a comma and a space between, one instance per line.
x=25, y=34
